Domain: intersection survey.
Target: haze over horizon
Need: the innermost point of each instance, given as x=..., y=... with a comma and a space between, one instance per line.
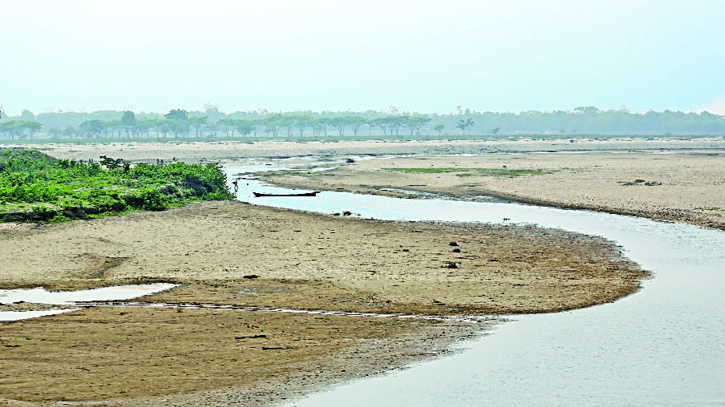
x=423, y=56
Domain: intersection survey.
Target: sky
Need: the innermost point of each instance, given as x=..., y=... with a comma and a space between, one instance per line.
x=425, y=56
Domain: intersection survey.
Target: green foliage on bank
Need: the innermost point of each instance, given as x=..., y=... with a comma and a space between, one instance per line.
x=39, y=188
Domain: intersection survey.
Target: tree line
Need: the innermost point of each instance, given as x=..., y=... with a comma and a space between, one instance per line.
x=211, y=123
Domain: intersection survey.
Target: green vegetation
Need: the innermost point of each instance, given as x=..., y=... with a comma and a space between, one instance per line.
x=468, y=172
x=36, y=187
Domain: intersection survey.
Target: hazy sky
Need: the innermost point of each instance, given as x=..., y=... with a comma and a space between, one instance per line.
x=422, y=55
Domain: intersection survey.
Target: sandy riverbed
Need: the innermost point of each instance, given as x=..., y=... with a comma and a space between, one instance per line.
x=302, y=261
x=236, y=254
x=676, y=185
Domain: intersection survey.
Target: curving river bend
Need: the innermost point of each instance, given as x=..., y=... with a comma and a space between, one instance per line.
x=662, y=346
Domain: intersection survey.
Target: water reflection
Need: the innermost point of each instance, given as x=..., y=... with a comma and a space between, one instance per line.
x=661, y=346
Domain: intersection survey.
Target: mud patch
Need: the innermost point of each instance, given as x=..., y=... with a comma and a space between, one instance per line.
x=106, y=353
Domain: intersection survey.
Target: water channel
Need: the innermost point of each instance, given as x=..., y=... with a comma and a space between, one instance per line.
x=662, y=346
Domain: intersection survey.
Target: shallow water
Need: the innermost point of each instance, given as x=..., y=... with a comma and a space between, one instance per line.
x=116, y=293
x=7, y=316
x=659, y=347
x=41, y=296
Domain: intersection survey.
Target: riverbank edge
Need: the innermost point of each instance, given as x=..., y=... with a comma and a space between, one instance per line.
x=669, y=215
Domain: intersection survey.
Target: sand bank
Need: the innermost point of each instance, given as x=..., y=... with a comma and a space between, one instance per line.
x=237, y=254
x=684, y=186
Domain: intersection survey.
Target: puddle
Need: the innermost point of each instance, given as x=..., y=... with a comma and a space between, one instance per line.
x=117, y=293
x=41, y=296
x=7, y=316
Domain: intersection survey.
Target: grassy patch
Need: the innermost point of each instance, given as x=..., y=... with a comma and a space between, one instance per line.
x=468, y=172
x=36, y=187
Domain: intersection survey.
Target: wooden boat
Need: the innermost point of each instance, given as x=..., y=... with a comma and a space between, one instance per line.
x=262, y=194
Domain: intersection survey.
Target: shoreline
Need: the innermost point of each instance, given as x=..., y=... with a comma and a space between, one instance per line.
x=663, y=216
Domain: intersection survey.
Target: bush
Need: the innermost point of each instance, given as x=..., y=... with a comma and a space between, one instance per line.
x=79, y=189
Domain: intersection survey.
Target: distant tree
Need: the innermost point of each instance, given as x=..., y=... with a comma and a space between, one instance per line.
x=316, y=126
x=273, y=123
x=142, y=127
x=32, y=128
x=92, y=128
x=390, y=124
x=301, y=122
x=395, y=123
x=495, y=130
x=415, y=123
x=228, y=125
x=20, y=128
x=320, y=126
x=161, y=126
x=69, y=131
x=289, y=122
x=12, y=129
x=110, y=127
x=198, y=123
x=26, y=116
x=54, y=132
x=355, y=123
x=177, y=114
x=212, y=128
x=244, y=127
x=128, y=122
x=463, y=124
x=587, y=110
x=439, y=128
x=340, y=124
x=379, y=122
x=179, y=128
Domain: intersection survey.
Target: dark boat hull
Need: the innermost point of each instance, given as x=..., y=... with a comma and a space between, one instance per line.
x=262, y=194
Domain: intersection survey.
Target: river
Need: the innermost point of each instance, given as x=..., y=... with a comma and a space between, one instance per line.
x=662, y=346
